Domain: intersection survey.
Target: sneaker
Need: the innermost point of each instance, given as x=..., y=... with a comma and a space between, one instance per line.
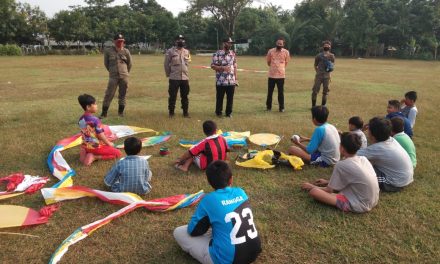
x=171, y=115
x=268, y=109
x=281, y=110
x=121, y=114
x=229, y=116
x=186, y=115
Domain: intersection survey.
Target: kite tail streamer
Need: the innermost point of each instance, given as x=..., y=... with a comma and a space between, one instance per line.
x=13, y=215
x=159, y=205
x=61, y=169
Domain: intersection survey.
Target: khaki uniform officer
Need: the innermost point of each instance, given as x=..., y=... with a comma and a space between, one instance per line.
x=176, y=69
x=117, y=61
x=322, y=75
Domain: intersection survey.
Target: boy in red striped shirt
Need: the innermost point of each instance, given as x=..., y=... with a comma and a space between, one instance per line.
x=212, y=148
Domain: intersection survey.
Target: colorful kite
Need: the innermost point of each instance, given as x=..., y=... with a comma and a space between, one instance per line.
x=58, y=165
x=151, y=141
x=52, y=195
x=18, y=183
x=232, y=139
x=267, y=159
x=23, y=216
x=264, y=139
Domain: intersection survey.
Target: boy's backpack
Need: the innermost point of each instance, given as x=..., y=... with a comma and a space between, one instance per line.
x=329, y=66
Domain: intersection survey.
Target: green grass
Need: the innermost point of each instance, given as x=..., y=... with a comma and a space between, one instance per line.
x=38, y=106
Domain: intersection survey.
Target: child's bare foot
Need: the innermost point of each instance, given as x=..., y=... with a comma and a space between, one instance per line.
x=306, y=186
x=82, y=155
x=321, y=182
x=181, y=167
x=89, y=159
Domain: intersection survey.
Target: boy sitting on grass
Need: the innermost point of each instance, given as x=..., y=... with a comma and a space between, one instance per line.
x=409, y=109
x=403, y=139
x=222, y=229
x=355, y=125
x=95, y=144
x=323, y=148
x=393, y=110
x=132, y=173
x=353, y=177
x=392, y=164
x=212, y=148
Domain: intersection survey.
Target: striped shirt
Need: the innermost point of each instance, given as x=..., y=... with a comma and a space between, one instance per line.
x=130, y=174
x=210, y=149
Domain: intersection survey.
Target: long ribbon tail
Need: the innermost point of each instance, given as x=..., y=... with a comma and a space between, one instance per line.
x=160, y=205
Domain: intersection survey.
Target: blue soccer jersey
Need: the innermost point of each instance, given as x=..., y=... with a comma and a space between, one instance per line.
x=234, y=235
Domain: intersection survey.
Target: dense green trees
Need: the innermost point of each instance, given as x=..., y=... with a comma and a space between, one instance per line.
x=404, y=28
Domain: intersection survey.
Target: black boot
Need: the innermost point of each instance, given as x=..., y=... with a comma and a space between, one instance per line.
x=324, y=99
x=121, y=110
x=104, y=112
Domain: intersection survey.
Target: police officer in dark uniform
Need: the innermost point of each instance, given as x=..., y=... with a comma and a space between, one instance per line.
x=117, y=61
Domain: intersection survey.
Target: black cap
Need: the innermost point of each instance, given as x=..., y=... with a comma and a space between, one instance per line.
x=228, y=40
x=118, y=36
x=180, y=37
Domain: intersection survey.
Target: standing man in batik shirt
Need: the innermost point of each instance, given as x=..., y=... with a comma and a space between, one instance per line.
x=117, y=61
x=176, y=69
x=225, y=65
x=277, y=59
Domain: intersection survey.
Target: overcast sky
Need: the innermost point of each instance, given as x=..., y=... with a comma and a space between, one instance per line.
x=50, y=7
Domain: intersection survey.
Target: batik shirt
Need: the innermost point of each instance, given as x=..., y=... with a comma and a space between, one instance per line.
x=90, y=127
x=234, y=235
x=225, y=58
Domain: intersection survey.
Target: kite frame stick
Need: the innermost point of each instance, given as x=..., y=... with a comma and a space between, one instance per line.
x=18, y=234
x=276, y=145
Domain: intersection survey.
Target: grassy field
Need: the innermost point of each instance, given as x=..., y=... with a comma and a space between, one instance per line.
x=38, y=106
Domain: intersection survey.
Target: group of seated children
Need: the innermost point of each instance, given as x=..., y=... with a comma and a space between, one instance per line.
x=222, y=229
x=130, y=174
x=390, y=158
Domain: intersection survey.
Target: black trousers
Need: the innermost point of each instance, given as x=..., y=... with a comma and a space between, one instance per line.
x=270, y=87
x=221, y=91
x=173, y=88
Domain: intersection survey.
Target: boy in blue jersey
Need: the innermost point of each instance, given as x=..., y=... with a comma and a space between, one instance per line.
x=323, y=148
x=222, y=229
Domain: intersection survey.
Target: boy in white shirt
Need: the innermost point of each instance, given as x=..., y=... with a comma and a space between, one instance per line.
x=353, y=177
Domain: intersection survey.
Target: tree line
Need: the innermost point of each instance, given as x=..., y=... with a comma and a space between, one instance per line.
x=402, y=28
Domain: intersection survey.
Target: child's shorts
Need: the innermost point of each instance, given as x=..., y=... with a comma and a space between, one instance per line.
x=342, y=203
x=315, y=159
x=201, y=161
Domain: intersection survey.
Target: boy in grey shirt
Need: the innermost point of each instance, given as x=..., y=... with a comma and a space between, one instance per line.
x=353, y=177
x=390, y=161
